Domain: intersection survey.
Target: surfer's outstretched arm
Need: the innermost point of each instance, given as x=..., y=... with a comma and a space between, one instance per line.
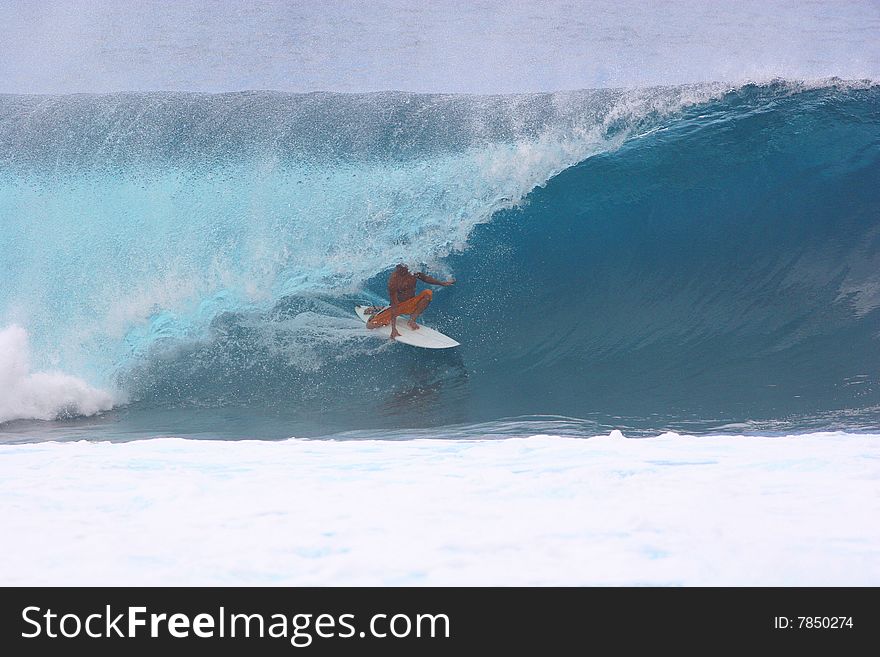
x=433, y=281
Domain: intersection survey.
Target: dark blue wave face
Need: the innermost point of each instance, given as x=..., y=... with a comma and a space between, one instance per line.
x=721, y=272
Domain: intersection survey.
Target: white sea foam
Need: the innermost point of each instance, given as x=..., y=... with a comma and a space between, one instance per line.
x=40, y=395
x=671, y=510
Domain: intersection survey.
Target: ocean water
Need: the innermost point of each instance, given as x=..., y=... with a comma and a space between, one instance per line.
x=699, y=258
x=663, y=222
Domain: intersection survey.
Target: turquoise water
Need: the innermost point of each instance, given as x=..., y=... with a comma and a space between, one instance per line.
x=696, y=257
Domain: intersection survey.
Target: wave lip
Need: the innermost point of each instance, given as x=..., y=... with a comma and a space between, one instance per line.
x=41, y=395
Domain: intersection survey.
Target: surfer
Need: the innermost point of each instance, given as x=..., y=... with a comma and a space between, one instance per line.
x=404, y=300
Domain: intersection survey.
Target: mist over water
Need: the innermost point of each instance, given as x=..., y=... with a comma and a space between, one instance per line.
x=101, y=46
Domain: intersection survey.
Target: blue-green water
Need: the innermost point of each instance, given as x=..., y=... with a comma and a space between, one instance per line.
x=690, y=258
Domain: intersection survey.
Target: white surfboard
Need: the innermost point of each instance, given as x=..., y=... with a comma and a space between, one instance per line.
x=424, y=337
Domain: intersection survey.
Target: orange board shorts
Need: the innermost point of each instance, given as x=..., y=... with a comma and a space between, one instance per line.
x=403, y=308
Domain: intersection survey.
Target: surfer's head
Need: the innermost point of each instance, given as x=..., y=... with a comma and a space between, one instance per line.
x=401, y=268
